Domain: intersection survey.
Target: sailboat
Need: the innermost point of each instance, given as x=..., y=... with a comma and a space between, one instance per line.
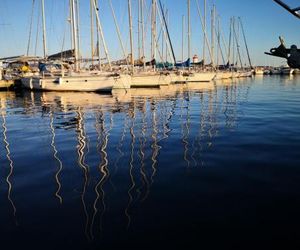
x=146, y=78
x=242, y=71
x=76, y=79
x=223, y=71
x=100, y=82
x=231, y=69
x=195, y=74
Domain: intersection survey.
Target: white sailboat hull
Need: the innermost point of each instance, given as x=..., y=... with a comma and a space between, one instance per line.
x=194, y=77
x=246, y=74
x=223, y=75
x=235, y=74
x=92, y=83
x=150, y=80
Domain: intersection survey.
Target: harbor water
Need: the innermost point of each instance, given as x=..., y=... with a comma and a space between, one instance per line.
x=196, y=166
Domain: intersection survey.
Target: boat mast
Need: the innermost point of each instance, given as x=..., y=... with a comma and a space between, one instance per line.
x=71, y=23
x=74, y=30
x=44, y=30
x=118, y=32
x=189, y=29
x=218, y=39
x=143, y=33
x=96, y=8
x=92, y=30
x=100, y=31
x=166, y=33
x=30, y=28
x=37, y=33
x=229, y=43
x=168, y=22
x=139, y=29
x=204, y=42
x=182, y=48
x=213, y=34
x=246, y=45
x=162, y=37
x=237, y=45
x=131, y=35
x=237, y=37
x=233, y=43
x=205, y=33
x=224, y=43
x=153, y=29
x=77, y=26
x=219, y=35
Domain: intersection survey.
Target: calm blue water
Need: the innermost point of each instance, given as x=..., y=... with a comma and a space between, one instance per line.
x=214, y=166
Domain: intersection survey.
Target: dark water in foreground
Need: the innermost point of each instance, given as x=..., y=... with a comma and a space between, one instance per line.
x=185, y=166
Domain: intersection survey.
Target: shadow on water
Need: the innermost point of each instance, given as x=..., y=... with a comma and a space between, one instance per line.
x=146, y=165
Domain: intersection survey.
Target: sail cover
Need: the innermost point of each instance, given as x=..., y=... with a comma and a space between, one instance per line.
x=185, y=64
x=62, y=55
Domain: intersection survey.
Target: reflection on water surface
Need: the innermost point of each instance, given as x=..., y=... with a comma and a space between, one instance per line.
x=151, y=167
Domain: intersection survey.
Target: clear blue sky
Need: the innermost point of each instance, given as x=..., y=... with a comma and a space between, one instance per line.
x=263, y=21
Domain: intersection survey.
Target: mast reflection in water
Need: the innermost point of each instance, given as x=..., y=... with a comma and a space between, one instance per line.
x=212, y=163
